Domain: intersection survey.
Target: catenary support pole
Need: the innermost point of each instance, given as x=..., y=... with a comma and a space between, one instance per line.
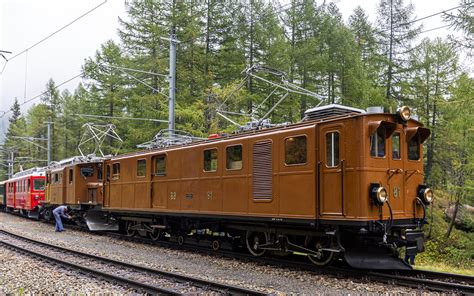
x=172, y=82
x=49, y=141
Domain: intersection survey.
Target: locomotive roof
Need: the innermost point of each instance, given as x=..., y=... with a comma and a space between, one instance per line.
x=34, y=174
x=261, y=131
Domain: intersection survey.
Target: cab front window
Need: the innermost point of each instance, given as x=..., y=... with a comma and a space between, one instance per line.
x=414, y=148
x=377, y=143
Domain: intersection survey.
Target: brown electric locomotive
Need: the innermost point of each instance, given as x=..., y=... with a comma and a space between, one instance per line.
x=341, y=183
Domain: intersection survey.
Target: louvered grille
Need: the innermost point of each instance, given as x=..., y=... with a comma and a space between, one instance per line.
x=262, y=170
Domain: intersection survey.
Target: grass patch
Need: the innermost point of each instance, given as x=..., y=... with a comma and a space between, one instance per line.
x=453, y=255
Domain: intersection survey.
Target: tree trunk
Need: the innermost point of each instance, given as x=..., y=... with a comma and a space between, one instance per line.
x=453, y=219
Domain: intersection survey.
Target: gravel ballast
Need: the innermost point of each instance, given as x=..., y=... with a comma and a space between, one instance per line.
x=270, y=279
x=22, y=274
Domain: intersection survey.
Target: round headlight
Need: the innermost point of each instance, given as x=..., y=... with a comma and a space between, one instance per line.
x=404, y=113
x=381, y=195
x=428, y=195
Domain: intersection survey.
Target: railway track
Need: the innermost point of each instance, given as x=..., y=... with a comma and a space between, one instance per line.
x=418, y=279
x=143, y=279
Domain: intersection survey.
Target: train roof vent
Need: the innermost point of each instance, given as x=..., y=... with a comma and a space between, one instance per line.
x=332, y=110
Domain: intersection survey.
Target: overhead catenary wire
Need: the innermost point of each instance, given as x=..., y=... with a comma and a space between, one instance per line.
x=52, y=34
x=121, y=117
x=43, y=93
x=423, y=18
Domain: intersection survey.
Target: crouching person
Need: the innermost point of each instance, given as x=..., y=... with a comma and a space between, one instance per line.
x=59, y=212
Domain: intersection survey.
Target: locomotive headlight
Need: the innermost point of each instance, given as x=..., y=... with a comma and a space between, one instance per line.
x=426, y=194
x=36, y=197
x=378, y=193
x=404, y=113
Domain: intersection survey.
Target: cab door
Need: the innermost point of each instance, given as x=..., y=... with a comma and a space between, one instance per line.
x=107, y=186
x=331, y=171
x=395, y=184
x=159, y=183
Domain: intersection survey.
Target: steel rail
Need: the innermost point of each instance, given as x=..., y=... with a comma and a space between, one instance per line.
x=228, y=289
x=408, y=278
x=99, y=274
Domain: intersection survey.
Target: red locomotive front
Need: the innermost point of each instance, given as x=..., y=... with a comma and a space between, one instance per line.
x=25, y=191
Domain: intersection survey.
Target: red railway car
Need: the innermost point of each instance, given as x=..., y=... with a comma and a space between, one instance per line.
x=25, y=191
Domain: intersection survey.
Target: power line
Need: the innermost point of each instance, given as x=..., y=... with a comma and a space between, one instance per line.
x=431, y=15
x=424, y=18
x=433, y=29
x=43, y=93
x=54, y=33
x=121, y=117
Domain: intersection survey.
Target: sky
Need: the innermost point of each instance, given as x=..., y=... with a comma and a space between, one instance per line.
x=25, y=22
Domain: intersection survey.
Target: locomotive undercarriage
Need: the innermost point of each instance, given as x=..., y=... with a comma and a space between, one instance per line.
x=361, y=245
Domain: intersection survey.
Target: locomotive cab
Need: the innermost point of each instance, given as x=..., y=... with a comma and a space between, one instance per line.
x=396, y=198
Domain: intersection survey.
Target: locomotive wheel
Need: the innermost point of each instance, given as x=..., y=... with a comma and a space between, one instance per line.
x=316, y=244
x=216, y=245
x=254, y=239
x=180, y=240
x=155, y=234
x=130, y=228
x=48, y=214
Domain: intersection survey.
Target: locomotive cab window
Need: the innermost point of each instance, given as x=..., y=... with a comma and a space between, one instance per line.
x=332, y=149
x=99, y=172
x=295, y=150
x=87, y=172
x=160, y=165
x=396, y=153
x=116, y=170
x=141, y=168
x=210, y=160
x=234, y=157
x=71, y=176
x=29, y=185
x=56, y=178
x=377, y=143
x=414, y=148
x=38, y=184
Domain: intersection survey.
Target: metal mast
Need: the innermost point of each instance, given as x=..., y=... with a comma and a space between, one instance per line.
x=172, y=81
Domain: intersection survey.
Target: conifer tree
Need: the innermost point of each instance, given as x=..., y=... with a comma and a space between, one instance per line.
x=396, y=31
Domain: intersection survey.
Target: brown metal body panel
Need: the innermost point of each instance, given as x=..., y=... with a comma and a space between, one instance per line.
x=74, y=188
x=401, y=175
x=343, y=189
x=57, y=189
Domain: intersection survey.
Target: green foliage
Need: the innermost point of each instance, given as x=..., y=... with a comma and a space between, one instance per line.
x=456, y=251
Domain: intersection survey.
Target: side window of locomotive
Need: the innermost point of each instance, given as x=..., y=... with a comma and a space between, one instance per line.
x=99, y=172
x=414, y=148
x=234, y=157
x=210, y=160
x=87, y=171
x=107, y=172
x=116, y=170
x=396, y=153
x=377, y=143
x=70, y=176
x=295, y=150
x=56, y=178
x=160, y=165
x=332, y=149
x=141, y=168
x=29, y=185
